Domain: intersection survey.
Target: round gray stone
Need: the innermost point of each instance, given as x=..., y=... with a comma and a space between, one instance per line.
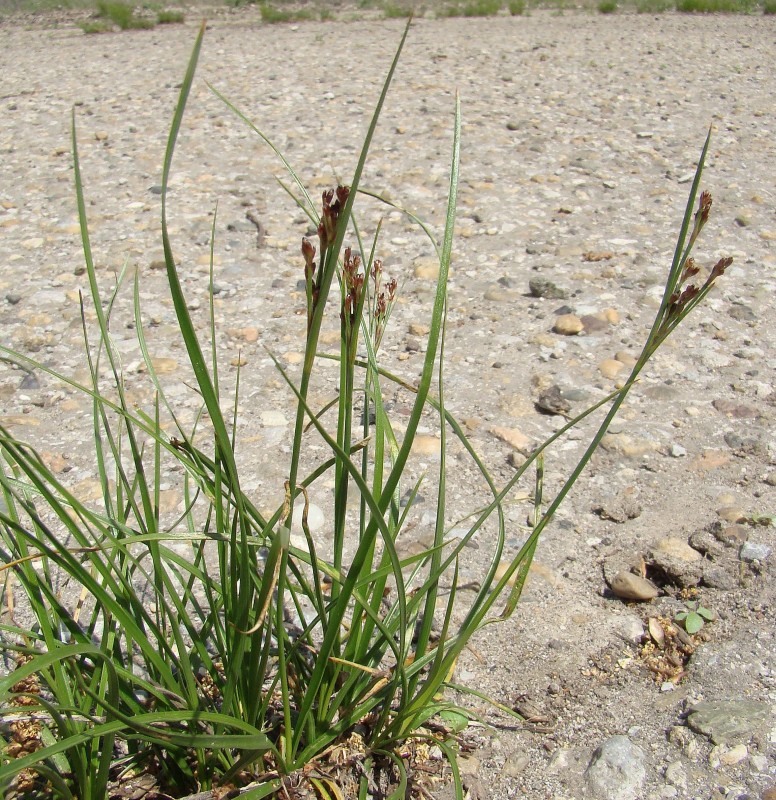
x=616, y=770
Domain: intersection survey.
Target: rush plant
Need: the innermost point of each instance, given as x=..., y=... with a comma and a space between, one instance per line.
x=220, y=652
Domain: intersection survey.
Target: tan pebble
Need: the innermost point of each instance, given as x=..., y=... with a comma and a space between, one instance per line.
x=711, y=459
x=426, y=268
x=403, y=356
x=610, y=367
x=726, y=499
x=472, y=423
x=168, y=500
x=19, y=419
x=628, y=586
x=731, y=514
x=769, y=236
x=56, y=462
x=514, y=438
x=424, y=445
x=419, y=328
x=34, y=243
x=624, y=357
x=735, y=755
x=74, y=296
x=568, y=325
x=678, y=548
x=293, y=357
x=330, y=337
x=610, y=315
x=101, y=136
x=536, y=568
x=543, y=340
x=87, y=489
x=245, y=334
x=239, y=361
x=164, y=366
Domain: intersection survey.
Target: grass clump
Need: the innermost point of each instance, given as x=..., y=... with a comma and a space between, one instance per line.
x=168, y=17
x=607, y=6
x=516, y=7
x=397, y=11
x=715, y=6
x=475, y=8
x=653, y=6
x=769, y=6
x=96, y=26
x=122, y=15
x=218, y=650
x=272, y=15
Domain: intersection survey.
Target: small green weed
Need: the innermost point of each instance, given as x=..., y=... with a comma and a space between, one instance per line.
x=170, y=17
x=516, y=7
x=607, y=6
x=694, y=617
x=769, y=6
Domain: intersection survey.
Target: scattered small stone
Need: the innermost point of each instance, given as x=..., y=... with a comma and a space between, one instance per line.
x=541, y=287
x=617, y=770
x=271, y=419
x=628, y=586
x=424, y=445
x=426, y=268
x=731, y=514
x=731, y=408
x=315, y=518
x=677, y=451
x=754, y=551
x=729, y=535
x=610, y=368
x=552, y=401
x=743, y=220
x=728, y=757
x=676, y=562
x=592, y=323
x=418, y=328
x=568, y=325
x=513, y=437
x=728, y=721
x=12, y=298
x=619, y=508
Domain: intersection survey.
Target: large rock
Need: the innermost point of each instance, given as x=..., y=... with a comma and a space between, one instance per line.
x=616, y=770
x=726, y=721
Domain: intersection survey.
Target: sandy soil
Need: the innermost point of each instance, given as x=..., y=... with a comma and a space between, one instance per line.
x=580, y=136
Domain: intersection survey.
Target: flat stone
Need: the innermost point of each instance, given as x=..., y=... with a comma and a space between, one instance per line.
x=677, y=548
x=611, y=368
x=617, y=770
x=424, y=445
x=754, y=551
x=728, y=721
x=541, y=287
x=315, y=518
x=513, y=437
x=426, y=268
x=568, y=325
x=628, y=586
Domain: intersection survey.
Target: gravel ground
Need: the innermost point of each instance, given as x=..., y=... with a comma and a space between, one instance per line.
x=580, y=138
